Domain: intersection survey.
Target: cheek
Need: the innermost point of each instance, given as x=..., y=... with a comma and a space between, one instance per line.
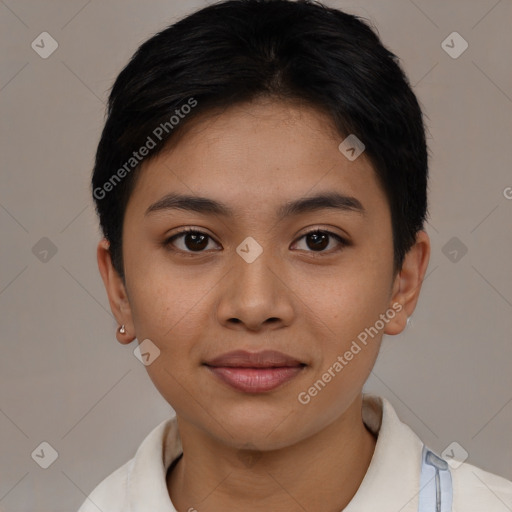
x=156, y=293
x=348, y=342
x=171, y=307
x=345, y=309
x=352, y=296
x=164, y=313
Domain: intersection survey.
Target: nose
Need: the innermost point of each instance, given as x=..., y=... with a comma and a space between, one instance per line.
x=254, y=294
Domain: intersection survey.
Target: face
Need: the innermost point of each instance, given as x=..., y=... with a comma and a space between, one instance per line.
x=254, y=277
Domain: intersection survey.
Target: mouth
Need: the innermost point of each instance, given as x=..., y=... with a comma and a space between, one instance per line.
x=255, y=372
x=255, y=380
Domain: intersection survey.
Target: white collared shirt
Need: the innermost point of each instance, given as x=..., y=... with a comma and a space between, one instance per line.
x=391, y=483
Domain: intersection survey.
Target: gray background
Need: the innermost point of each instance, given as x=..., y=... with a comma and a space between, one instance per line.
x=64, y=377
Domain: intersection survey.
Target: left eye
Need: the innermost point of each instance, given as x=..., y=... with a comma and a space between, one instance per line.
x=197, y=241
x=318, y=239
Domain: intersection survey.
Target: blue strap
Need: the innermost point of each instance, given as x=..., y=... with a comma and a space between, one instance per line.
x=436, y=493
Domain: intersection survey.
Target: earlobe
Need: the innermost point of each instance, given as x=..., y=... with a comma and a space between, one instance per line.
x=407, y=283
x=116, y=292
x=122, y=335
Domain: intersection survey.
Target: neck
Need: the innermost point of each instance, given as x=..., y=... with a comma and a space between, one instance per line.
x=321, y=472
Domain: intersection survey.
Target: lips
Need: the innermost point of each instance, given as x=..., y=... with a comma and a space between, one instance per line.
x=263, y=359
x=255, y=372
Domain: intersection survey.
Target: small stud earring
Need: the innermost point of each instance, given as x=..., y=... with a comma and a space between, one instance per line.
x=122, y=330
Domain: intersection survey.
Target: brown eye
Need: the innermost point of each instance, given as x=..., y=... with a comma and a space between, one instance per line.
x=195, y=241
x=318, y=240
x=192, y=240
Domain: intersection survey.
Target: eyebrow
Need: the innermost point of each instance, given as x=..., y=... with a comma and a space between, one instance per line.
x=205, y=205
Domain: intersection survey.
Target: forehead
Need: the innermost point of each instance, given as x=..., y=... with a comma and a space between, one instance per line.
x=256, y=153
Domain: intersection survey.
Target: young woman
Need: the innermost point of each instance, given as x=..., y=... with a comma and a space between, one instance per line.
x=261, y=183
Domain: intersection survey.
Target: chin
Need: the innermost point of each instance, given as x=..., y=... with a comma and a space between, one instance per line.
x=263, y=428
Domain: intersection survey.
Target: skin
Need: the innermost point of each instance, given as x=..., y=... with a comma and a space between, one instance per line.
x=310, y=304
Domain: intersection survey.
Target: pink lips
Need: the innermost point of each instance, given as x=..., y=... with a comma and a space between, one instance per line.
x=255, y=372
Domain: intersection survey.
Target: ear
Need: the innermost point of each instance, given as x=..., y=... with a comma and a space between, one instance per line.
x=407, y=283
x=117, y=296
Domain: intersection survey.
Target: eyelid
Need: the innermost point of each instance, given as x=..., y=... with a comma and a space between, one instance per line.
x=342, y=240
x=168, y=241
x=325, y=230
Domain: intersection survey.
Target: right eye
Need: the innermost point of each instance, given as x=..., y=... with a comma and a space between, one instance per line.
x=194, y=241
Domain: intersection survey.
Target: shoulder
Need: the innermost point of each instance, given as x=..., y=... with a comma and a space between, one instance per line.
x=141, y=480
x=476, y=489
x=109, y=494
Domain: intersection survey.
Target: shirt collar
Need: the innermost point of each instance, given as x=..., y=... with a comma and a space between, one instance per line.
x=392, y=478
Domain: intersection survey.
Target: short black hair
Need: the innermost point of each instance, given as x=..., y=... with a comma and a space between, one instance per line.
x=238, y=50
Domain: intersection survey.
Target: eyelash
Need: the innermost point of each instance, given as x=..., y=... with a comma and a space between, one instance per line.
x=168, y=242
